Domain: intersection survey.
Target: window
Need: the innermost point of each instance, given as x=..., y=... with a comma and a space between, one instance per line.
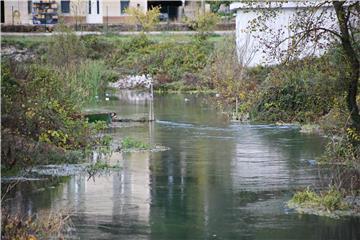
x=89, y=7
x=2, y=12
x=98, y=7
x=29, y=6
x=65, y=6
x=123, y=6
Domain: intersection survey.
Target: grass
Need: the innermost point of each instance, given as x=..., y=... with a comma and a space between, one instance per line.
x=33, y=41
x=330, y=200
x=24, y=41
x=130, y=143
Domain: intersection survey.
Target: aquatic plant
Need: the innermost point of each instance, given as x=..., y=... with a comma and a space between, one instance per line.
x=329, y=200
x=130, y=143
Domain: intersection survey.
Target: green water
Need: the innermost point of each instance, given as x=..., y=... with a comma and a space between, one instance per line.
x=220, y=180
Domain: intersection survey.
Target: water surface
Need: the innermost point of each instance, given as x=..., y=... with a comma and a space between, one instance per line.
x=220, y=180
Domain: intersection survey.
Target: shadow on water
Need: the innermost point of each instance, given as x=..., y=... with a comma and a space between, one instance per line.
x=220, y=180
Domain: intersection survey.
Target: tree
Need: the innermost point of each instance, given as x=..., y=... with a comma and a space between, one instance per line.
x=226, y=71
x=146, y=20
x=204, y=23
x=215, y=5
x=318, y=23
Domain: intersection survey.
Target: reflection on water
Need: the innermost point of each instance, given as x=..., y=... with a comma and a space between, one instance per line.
x=218, y=181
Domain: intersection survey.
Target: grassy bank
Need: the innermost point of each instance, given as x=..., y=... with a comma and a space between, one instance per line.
x=42, y=97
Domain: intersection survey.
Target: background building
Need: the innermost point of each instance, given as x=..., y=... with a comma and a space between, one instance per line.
x=88, y=11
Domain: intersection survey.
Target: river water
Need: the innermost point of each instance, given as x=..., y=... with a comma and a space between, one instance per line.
x=219, y=180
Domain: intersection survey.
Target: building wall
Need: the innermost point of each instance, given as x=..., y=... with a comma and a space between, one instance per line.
x=78, y=12
x=110, y=11
x=20, y=9
x=252, y=49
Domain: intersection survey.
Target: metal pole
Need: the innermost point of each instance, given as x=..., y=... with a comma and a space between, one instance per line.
x=107, y=18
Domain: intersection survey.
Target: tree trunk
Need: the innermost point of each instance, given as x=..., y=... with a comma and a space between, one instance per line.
x=352, y=61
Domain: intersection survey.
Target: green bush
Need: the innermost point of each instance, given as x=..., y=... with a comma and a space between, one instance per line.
x=203, y=23
x=167, y=61
x=302, y=91
x=45, y=108
x=65, y=49
x=97, y=47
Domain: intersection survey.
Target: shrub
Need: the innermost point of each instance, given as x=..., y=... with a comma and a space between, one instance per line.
x=144, y=19
x=203, y=23
x=227, y=72
x=65, y=48
x=46, y=227
x=45, y=108
x=298, y=92
x=167, y=61
x=96, y=47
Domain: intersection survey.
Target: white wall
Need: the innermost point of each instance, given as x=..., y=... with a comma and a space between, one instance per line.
x=278, y=29
x=20, y=9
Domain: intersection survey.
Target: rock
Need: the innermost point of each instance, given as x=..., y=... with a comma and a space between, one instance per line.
x=311, y=162
x=18, y=55
x=241, y=117
x=130, y=82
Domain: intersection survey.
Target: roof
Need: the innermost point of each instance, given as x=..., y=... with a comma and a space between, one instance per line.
x=274, y=4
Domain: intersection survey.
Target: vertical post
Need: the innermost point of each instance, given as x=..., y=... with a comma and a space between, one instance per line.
x=76, y=18
x=12, y=14
x=168, y=18
x=107, y=18
x=152, y=101
x=236, y=108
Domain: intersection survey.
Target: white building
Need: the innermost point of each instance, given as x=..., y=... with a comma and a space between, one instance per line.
x=270, y=44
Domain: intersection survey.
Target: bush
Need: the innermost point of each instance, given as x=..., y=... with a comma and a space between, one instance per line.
x=167, y=62
x=65, y=48
x=53, y=226
x=204, y=23
x=144, y=19
x=298, y=92
x=41, y=109
x=96, y=47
